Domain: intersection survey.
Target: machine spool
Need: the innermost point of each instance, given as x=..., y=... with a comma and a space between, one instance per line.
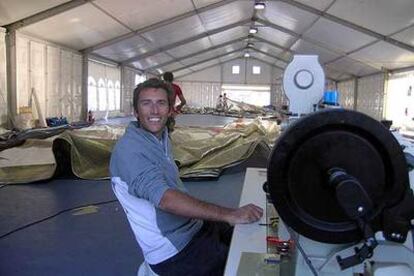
x=342, y=141
x=303, y=83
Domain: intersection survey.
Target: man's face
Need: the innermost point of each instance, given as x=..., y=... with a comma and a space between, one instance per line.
x=153, y=110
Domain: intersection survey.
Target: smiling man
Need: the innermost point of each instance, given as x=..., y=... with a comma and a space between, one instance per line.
x=178, y=234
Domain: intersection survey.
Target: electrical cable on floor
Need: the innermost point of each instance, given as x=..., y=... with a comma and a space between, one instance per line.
x=54, y=215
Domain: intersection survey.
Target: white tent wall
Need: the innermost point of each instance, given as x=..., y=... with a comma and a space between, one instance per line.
x=370, y=96
x=104, y=90
x=53, y=73
x=399, y=98
x=212, y=74
x=245, y=75
x=346, y=93
x=200, y=94
x=3, y=79
x=265, y=76
x=277, y=96
x=201, y=89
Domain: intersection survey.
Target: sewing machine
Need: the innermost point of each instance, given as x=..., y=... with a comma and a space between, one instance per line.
x=338, y=180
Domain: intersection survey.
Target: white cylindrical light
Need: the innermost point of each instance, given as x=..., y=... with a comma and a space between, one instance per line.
x=253, y=30
x=259, y=5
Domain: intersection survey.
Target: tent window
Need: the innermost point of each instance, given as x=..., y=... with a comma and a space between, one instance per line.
x=256, y=70
x=92, y=94
x=117, y=95
x=235, y=69
x=111, y=96
x=258, y=95
x=102, y=95
x=139, y=79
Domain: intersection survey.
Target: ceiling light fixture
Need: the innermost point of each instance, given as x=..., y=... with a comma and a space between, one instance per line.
x=259, y=5
x=250, y=45
x=253, y=30
x=246, y=55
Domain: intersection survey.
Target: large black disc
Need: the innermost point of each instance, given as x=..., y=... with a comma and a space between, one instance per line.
x=336, y=138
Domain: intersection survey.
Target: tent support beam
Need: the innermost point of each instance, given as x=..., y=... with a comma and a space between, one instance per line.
x=85, y=74
x=355, y=93
x=11, y=75
x=44, y=14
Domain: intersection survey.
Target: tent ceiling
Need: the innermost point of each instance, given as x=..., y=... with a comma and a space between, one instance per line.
x=351, y=37
x=12, y=10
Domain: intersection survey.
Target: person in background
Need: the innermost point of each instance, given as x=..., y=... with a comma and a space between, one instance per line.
x=169, y=77
x=219, y=104
x=225, y=104
x=177, y=92
x=91, y=118
x=178, y=233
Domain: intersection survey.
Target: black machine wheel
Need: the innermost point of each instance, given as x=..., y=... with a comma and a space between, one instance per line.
x=309, y=148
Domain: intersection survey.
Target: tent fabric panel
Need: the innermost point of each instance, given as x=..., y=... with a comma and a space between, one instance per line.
x=233, y=33
x=205, y=64
x=371, y=14
x=191, y=47
x=53, y=82
x=352, y=67
x=317, y=4
x=267, y=48
x=288, y=16
x=371, y=96
x=304, y=47
x=177, y=31
x=346, y=93
x=212, y=53
x=78, y=28
x=275, y=36
x=277, y=96
x=327, y=33
x=151, y=61
x=227, y=14
x=12, y=10
x=126, y=49
x=142, y=13
x=22, y=71
x=386, y=55
x=406, y=36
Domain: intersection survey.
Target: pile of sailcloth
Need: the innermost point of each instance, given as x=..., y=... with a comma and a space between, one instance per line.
x=85, y=152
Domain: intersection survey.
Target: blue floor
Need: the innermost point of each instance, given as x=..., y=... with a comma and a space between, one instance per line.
x=90, y=241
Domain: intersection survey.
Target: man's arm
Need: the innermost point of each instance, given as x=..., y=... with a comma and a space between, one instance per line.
x=182, y=99
x=179, y=203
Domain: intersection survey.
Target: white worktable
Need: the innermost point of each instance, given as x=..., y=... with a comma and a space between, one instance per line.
x=249, y=237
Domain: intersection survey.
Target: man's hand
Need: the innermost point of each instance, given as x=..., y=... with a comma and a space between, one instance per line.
x=182, y=204
x=246, y=214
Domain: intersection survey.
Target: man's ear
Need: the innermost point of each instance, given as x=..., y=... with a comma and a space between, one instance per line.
x=136, y=114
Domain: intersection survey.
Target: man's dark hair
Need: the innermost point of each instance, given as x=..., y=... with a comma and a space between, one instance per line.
x=168, y=76
x=152, y=83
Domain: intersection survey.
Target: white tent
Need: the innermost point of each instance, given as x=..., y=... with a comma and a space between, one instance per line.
x=60, y=48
